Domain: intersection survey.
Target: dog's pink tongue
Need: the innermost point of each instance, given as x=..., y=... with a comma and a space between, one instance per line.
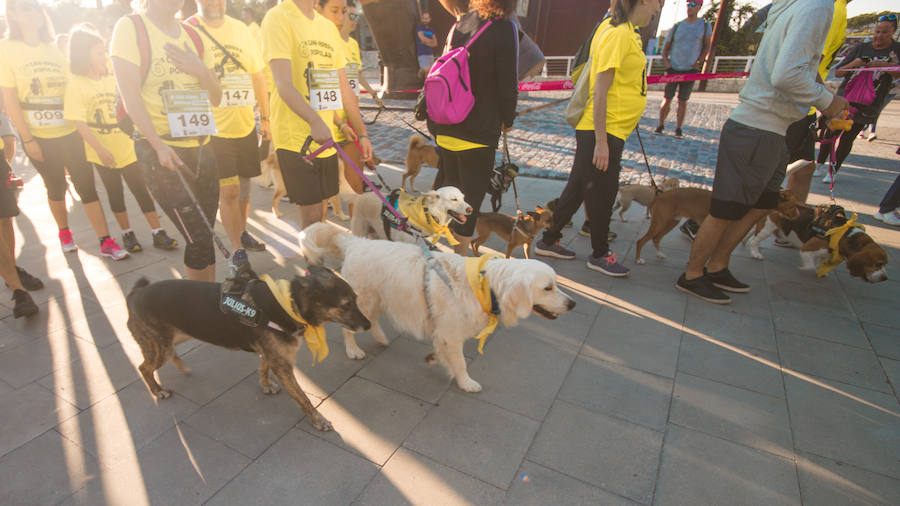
x=462, y=217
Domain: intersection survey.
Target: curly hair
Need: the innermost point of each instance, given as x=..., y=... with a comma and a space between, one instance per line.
x=490, y=9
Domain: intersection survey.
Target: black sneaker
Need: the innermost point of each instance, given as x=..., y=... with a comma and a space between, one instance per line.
x=250, y=243
x=24, y=306
x=585, y=229
x=239, y=260
x=702, y=288
x=658, y=130
x=725, y=281
x=553, y=250
x=130, y=242
x=162, y=240
x=30, y=282
x=689, y=228
x=678, y=134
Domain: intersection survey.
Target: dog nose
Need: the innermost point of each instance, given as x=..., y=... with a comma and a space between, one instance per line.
x=366, y=325
x=468, y=210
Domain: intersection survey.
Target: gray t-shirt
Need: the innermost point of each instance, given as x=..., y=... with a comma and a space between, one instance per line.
x=687, y=42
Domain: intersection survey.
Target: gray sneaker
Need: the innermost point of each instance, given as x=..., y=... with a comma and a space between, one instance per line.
x=554, y=250
x=608, y=265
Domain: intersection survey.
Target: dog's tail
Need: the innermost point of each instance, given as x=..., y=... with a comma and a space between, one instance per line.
x=618, y=202
x=323, y=240
x=416, y=141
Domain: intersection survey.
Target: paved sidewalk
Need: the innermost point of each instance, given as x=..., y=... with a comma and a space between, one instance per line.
x=641, y=395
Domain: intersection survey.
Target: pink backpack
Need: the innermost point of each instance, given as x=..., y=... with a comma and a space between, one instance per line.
x=448, y=89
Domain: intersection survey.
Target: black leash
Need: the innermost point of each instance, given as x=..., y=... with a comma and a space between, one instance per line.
x=646, y=162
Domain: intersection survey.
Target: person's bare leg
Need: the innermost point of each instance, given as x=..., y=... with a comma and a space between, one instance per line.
x=8, y=236
x=245, y=212
x=664, y=111
x=229, y=210
x=206, y=274
x=681, y=113
x=122, y=220
x=7, y=257
x=800, y=180
x=730, y=239
x=711, y=231
x=310, y=214
x=98, y=221
x=153, y=220
x=60, y=213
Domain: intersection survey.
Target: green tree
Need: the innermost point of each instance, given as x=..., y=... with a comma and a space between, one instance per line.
x=738, y=37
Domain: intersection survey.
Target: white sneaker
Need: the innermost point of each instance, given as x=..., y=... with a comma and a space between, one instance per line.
x=872, y=136
x=892, y=218
x=878, y=216
x=827, y=178
x=820, y=167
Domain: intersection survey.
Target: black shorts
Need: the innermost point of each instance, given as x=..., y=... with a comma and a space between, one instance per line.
x=801, y=139
x=684, y=88
x=237, y=157
x=9, y=207
x=749, y=170
x=308, y=183
x=470, y=171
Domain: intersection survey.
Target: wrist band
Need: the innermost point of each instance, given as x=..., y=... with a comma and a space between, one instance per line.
x=28, y=141
x=363, y=136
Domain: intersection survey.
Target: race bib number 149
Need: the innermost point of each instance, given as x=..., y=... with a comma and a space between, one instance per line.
x=189, y=113
x=324, y=90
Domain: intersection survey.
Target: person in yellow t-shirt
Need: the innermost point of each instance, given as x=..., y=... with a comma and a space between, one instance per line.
x=618, y=96
x=33, y=78
x=304, y=51
x=239, y=66
x=171, y=108
x=248, y=16
x=90, y=104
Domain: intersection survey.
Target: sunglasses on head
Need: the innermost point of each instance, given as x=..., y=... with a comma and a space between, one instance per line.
x=694, y=4
x=353, y=16
x=888, y=17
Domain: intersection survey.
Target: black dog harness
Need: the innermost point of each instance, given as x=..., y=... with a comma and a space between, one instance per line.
x=235, y=299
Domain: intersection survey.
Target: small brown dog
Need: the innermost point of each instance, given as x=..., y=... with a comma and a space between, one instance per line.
x=643, y=194
x=419, y=154
x=515, y=234
x=669, y=207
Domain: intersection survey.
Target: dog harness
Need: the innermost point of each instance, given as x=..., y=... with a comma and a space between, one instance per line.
x=417, y=214
x=834, y=236
x=826, y=218
x=315, y=336
x=484, y=294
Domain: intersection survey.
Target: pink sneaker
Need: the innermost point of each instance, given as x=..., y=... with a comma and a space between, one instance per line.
x=65, y=239
x=110, y=249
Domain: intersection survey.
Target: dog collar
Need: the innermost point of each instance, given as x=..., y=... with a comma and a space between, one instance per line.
x=417, y=213
x=315, y=336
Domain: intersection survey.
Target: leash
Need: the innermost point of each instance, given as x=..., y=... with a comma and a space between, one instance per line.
x=646, y=162
x=196, y=203
x=380, y=110
x=369, y=163
x=519, y=213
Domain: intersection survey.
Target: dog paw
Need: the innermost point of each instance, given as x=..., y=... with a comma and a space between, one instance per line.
x=469, y=385
x=270, y=389
x=163, y=393
x=660, y=255
x=355, y=353
x=380, y=339
x=757, y=255
x=431, y=359
x=640, y=261
x=277, y=213
x=320, y=423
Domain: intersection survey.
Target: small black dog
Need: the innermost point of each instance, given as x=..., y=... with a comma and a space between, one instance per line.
x=165, y=313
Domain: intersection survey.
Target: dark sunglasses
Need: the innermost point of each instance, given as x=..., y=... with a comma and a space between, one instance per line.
x=888, y=17
x=353, y=16
x=693, y=4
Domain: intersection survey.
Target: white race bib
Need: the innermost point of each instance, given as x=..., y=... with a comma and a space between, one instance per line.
x=352, y=70
x=237, y=90
x=324, y=90
x=49, y=112
x=189, y=113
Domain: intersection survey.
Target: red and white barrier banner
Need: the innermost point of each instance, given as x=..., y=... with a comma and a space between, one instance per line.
x=672, y=78
x=874, y=69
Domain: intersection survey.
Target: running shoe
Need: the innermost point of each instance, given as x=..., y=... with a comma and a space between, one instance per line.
x=554, y=250
x=678, y=134
x=250, y=243
x=29, y=282
x=24, y=304
x=658, y=130
x=129, y=240
x=66, y=241
x=162, y=240
x=703, y=289
x=239, y=261
x=608, y=265
x=724, y=280
x=111, y=249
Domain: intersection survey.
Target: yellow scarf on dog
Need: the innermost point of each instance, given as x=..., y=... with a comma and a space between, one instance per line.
x=479, y=284
x=834, y=236
x=414, y=210
x=315, y=336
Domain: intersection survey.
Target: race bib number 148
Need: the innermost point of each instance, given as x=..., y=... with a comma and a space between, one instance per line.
x=189, y=113
x=324, y=90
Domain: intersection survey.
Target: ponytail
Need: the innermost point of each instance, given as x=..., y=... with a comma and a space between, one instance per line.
x=620, y=10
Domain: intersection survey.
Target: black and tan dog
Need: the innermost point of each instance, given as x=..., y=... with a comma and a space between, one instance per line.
x=165, y=313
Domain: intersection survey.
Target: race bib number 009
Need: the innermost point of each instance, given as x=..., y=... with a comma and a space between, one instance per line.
x=324, y=90
x=189, y=113
x=352, y=70
x=45, y=112
x=237, y=91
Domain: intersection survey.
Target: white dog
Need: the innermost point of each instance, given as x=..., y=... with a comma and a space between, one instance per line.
x=442, y=206
x=392, y=278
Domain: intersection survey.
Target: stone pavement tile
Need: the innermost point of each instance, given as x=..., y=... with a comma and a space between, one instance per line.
x=537, y=485
x=402, y=367
x=94, y=374
x=618, y=391
x=28, y=412
x=299, y=469
x=44, y=470
x=566, y=332
x=521, y=373
x=845, y=423
x=35, y=359
x=738, y=415
x=411, y=478
x=659, y=301
x=214, y=370
x=803, y=281
x=892, y=368
x=57, y=313
x=748, y=368
x=653, y=276
x=635, y=341
x=831, y=483
x=882, y=312
x=182, y=466
x=782, y=291
x=4, y=387
x=474, y=437
x=700, y=469
x=612, y=454
x=105, y=327
x=114, y=429
x=734, y=328
x=246, y=419
x=10, y=338
x=363, y=423
x=854, y=287
x=811, y=321
x=847, y=364
x=884, y=340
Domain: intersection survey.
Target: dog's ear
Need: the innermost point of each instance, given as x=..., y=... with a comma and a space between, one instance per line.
x=533, y=215
x=539, y=209
x=516, y=299
x=871, y=256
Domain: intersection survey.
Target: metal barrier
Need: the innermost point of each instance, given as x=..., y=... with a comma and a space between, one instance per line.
x=561, y=66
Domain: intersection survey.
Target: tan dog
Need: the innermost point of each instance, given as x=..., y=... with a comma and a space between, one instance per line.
x=669, y=207
x=515, y=234
x=642, y=194
x=419, y=154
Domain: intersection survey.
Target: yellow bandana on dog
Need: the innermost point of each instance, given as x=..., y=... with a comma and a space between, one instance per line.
x=315, y=336
x=415, y=211
x=479, y=284
x=834, y=236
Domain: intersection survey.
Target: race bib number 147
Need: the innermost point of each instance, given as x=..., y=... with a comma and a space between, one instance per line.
x=189, y=113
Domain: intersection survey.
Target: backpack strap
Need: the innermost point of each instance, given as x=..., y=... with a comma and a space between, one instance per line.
x=194, y=22
x=478, y=33
x=195, y=38
x=143, y=44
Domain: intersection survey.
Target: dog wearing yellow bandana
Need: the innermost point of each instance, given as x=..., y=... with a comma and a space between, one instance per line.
x=396, y=280
x=272, y=319
x=430, y=212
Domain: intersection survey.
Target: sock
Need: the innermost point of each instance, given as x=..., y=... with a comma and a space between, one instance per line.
x=103, y=239
x=157, y=230
x=125, y=231
x=64, y=229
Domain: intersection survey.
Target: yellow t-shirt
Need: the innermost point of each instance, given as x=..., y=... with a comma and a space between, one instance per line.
x=836, y=36
x=94, y=102
x=353, y=67
x=233, y=121
x=163, y=75
x=253, y=27
x=309, y=44
x=619, y=48
x=456, y=144
x=38, y=73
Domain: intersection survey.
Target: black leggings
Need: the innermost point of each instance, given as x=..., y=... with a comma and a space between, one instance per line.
x=61, y=153
x=470, y=171
x=596, y=189
x=112, y=181
x=844, y=145
x=166, y=187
